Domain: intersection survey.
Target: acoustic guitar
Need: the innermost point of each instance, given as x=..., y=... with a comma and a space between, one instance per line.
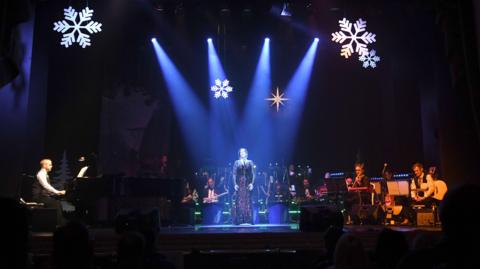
x=214, y=199
x=440, y=189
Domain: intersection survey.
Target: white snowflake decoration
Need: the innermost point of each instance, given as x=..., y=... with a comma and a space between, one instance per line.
x=360, y=40
x=370, y=59
x=221, y=88
x=70, y=15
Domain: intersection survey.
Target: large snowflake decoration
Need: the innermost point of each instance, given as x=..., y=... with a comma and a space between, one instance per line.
x=221, y=88
x=360, y=40
x=70, y=23
x=370, y=59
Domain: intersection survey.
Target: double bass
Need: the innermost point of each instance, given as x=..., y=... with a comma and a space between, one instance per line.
x=389, y=200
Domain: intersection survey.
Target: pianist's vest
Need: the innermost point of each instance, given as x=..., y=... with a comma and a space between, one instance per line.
x=38, y=190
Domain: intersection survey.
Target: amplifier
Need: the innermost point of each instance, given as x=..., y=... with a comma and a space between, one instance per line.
x=425, y=217
x=317, y=218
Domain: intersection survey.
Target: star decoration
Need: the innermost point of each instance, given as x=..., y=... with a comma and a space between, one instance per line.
x=277, y=99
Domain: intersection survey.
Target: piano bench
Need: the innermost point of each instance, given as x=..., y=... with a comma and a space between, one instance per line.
x=43, y=219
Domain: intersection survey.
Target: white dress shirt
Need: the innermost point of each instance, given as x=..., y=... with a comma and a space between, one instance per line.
x=42, y=177
x=429, y=185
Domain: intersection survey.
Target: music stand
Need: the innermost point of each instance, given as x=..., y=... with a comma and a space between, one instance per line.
x=398, y=188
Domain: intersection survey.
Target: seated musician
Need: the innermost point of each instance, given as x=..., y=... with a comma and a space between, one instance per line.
x=43, y=192
x=265, y=187
x=187, y=205
x=190, y=194
x=280, y=193
x=390, y=200
x=212, y=193
x=307, y=193
x=422, y=186
x=421, y=191
x=212, y=209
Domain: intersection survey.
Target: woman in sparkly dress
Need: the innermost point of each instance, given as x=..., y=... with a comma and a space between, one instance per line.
x=243, y=180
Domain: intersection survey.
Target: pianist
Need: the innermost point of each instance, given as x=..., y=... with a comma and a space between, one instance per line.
x=43, y=192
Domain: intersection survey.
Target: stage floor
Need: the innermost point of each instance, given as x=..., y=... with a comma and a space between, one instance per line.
x=233, y=238
x=230, y=228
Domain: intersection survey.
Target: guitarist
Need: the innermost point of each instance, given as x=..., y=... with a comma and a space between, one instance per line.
x=212, y=209
x=211, y=192
x=422, y=186
x=421, y=190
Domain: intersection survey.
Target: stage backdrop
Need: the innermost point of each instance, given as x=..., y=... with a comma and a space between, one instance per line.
x=111, y=98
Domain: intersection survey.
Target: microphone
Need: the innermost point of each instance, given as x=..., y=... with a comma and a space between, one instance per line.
x=384, y=168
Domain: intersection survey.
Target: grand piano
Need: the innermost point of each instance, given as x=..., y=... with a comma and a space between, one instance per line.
x=100, y=200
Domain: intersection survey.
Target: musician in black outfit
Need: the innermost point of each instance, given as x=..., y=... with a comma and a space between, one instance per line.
x=43, y=192
x=211, y=191
x=187, y=205
x=358, y=193
x=211, y=206
x=307, y=192
x=244, y=180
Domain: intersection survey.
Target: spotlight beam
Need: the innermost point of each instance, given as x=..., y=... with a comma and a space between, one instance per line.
x=296, y=91
x=223, y=135
x=188, y=109
x=256, y=128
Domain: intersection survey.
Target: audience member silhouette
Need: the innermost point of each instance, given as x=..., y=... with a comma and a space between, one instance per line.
x=142, y=233
x=331, y=238
x=131, y=251
x=391, y=247
x=14, y=242
x=71, y=247
x=350, y=254
x=425, y=240
x=458, y=248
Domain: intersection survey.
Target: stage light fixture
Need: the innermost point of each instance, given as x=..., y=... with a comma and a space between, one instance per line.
x=286, y=10
x=153, y=39
x=209, y=40
x=316, y=39
x=267, y=39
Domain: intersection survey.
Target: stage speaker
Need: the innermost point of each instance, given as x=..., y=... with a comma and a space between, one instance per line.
x=425, y=217
x=317, y=218
x=370, y=214
x=43, y=219
x=138, y=220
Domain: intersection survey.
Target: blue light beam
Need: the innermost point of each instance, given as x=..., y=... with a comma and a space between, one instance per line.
x=223, y=136
x=189, y=111
x=256, y=128
x=296, y=91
